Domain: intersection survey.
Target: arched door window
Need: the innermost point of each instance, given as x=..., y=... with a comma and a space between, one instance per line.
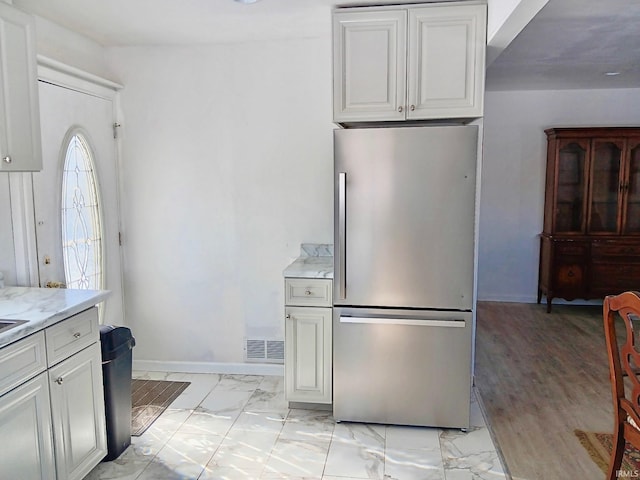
x=81, y=217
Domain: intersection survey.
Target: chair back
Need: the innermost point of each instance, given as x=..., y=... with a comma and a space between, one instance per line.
x=624, y=357
x=623, y=350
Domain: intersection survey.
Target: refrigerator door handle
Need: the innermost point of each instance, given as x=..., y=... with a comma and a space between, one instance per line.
x=342, y=231
x=405, y=321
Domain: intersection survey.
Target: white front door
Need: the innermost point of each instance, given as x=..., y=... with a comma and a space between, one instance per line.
x=65, y=112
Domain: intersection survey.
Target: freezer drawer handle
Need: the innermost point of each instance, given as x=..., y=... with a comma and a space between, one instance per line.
x=405, y=321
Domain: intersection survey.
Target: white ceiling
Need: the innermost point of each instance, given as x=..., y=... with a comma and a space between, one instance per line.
x=573, y=44
x=569, y=44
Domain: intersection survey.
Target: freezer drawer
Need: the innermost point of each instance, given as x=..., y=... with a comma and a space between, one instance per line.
x=402, y=367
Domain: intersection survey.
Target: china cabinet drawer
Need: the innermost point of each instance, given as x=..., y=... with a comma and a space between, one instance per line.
x=571, y=248
x=308, y=292
x=613, y=250
x=21, y=361
x=68, y=337
x=615, y=277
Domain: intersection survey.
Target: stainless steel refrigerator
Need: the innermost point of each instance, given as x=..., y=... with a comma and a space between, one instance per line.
x=404, y=274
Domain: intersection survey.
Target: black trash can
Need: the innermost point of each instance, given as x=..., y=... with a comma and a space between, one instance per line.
x=117, y=344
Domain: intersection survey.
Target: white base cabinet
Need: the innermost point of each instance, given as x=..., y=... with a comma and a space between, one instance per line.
x=26, y=447
x=52, y=413
x=415, y=62
x=308, y=340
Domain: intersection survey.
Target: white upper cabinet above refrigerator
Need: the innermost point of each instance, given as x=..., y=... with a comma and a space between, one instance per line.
x=415, y=62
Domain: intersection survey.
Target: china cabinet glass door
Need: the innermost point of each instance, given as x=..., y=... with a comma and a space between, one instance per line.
x=633, y=189
x=571, y=187
x=605, y=187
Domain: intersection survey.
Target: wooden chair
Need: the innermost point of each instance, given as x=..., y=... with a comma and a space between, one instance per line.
x=624, y=365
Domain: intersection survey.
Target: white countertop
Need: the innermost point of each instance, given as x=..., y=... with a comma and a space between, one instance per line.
x=315, y=261
x=42, y=307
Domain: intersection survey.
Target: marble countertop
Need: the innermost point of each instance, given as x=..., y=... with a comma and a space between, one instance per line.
x=315, y=261
x=42, y=307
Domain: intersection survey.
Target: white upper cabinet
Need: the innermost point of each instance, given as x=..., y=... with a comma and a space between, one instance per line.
x=369, y=58
x=20, y=148
x=409, y=63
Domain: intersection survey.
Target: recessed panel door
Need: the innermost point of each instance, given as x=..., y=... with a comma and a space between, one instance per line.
x=65, y=112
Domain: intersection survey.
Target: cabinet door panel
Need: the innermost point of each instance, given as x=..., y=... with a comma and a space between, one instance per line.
x=632, y=217
x=77, y=404
x=571, y=185
x=605, y=186
x=19, y=115
x=446, y=61
x=308, y=354
x=369, y=62
x=570, y=278
x=26, y=447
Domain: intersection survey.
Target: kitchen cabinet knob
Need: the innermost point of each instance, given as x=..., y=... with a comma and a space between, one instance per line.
x=307, y=292
x=59, y=380
x=413, y=107
x=400, y=108
x=7, y=159
x=288, y=317
x=77, y=335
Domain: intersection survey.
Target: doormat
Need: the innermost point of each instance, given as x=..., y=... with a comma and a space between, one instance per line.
x=149, y=398
x=599, y=446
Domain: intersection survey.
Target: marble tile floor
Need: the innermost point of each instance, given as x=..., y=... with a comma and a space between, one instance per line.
x=239, y=427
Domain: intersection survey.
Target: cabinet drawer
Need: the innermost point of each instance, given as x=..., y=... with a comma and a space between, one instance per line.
x=571, y=248
x=71, y=335
x=307, y=292
x=609, y=250
x=22, y=360
x=618, y=277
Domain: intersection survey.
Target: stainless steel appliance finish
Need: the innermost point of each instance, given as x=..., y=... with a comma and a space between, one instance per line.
x=402, y=367
x=405, y=205
x=403, y=279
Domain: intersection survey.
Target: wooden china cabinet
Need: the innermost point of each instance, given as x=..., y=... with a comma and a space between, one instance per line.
x=590, y=245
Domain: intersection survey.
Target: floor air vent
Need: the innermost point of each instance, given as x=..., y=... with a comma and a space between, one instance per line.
x=264, y=350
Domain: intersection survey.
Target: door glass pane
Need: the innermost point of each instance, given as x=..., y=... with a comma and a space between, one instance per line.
x=571, y=178
x=605, y=188
x=633, y=195
x=81, y=223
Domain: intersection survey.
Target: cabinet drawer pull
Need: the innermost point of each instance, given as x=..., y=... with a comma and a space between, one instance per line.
x=77, y=335
x=307, y=292
x=59, y=380
x=7, y=159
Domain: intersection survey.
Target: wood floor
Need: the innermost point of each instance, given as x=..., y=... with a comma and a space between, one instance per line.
x=540, y=377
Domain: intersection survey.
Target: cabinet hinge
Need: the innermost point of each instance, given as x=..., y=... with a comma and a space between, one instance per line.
x=115, y=129
x=120, y=238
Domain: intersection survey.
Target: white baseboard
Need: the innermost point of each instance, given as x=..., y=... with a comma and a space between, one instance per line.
x=209, y=367
x=532, y=299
